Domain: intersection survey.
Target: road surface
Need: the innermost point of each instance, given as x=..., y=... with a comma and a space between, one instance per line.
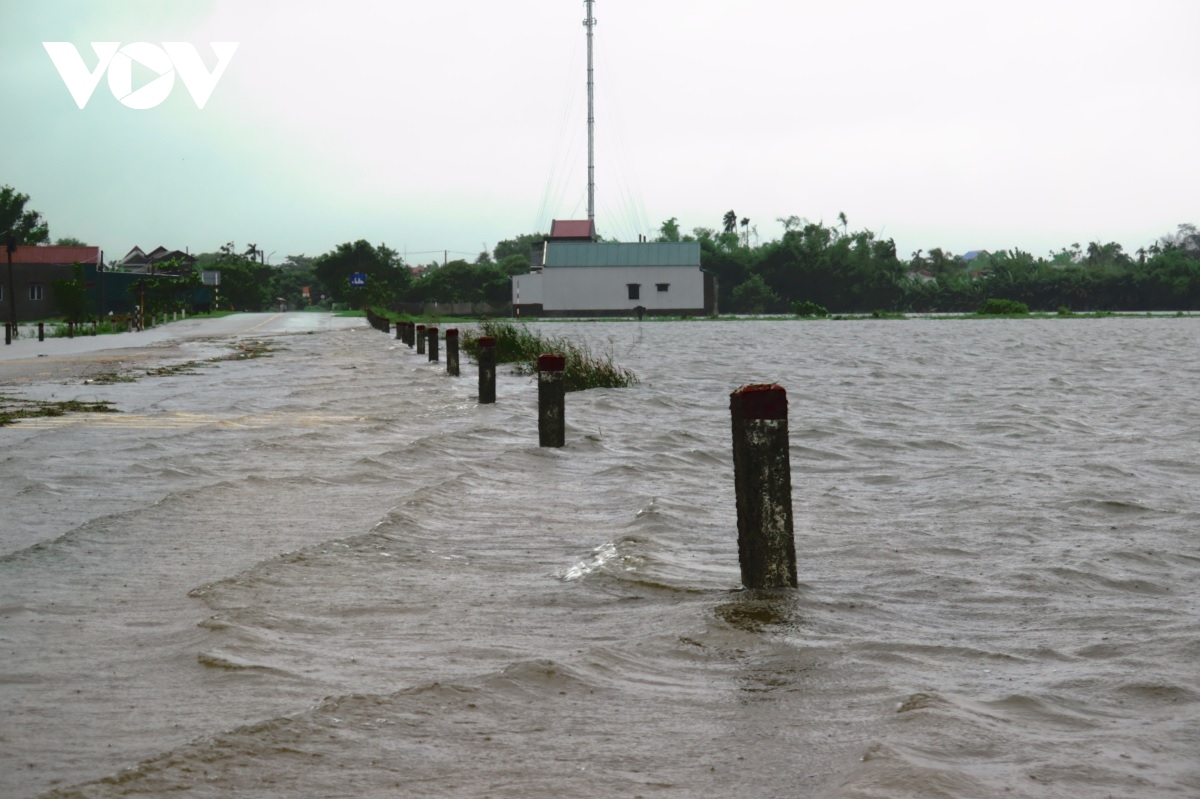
x=27, y=360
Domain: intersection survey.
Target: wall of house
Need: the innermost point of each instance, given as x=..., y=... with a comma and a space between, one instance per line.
x=606, y=288
x=23, y=276
x=530, y=289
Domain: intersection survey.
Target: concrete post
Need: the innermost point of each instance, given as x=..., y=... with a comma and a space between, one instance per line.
x=399, y=331
x=41, y=331
x=551, y=401
x=70, y=330
x=8, y=333
x=410, y=329
x=420, y=339
x=762, y=479
x=487, y=370
x=431, y=343
x=452, y=352
x=95, y=328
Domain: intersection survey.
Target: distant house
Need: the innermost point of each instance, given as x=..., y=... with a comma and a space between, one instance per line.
x=157, y=260
x=29, y=285
x=572, y=275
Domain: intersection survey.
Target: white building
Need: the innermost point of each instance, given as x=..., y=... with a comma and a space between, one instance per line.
x=585, y=278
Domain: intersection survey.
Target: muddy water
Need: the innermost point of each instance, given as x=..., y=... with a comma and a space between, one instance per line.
x=331, y=573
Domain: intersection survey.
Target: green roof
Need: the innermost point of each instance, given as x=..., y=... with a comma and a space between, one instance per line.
x=654, y=253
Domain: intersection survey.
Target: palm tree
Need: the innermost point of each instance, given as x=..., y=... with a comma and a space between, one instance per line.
x=730, y=221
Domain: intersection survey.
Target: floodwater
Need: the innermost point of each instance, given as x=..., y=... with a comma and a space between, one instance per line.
x=331, y=573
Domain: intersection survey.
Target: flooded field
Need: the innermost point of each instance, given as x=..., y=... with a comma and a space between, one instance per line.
x=329, y=572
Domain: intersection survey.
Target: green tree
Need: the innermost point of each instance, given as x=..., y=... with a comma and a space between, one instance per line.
x=515, y=264
x=754, y=296
x=459, y=281
x=388, y=279
x=517, y=245
x=730, y=221
x=27, y=226
x=669, y=231
x=164, y=293
x=70, y=241
x=70, y=296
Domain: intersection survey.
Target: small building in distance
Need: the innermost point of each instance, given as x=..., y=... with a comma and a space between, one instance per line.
x=30, y=285
x=571, y=274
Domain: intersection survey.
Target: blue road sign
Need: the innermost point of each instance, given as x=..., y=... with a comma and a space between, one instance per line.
x=358, y=279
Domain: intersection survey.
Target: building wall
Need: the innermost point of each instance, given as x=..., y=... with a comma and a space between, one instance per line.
x=606, y=288
x=24, y=276
x=527, y=289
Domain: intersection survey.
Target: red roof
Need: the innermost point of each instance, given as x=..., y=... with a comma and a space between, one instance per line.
x=53, y=254
x=572, y=229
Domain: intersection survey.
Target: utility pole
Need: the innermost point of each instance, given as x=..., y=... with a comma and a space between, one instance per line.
x=590, y=23
x=10, y=246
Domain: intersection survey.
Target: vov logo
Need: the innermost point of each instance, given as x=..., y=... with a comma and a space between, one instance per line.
x=172, y=57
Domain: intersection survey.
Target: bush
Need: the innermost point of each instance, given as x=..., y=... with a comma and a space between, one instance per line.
x=994, y=307
x=808, y=308
x=519, y=345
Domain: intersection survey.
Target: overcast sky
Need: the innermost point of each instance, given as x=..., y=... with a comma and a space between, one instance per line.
x=451, y=125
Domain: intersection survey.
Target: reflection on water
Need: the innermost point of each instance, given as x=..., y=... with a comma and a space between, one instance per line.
x=332, y=572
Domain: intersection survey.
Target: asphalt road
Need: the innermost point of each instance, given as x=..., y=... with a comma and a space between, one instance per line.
x=27, y=360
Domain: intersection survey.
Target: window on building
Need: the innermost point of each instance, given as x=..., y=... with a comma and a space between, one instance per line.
x=36, y=291
x=635, y=290
x=663, y=286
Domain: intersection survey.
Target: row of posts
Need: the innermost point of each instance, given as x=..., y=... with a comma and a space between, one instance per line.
x=762, y=473
x=11, y=330
x=551, y=388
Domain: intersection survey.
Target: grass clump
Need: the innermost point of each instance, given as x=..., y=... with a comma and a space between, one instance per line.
x=998, y=307
x=13, y=409
x=809, y=308
x=518, y=345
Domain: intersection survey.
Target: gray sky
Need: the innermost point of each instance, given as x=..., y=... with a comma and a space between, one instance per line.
x=451, y=125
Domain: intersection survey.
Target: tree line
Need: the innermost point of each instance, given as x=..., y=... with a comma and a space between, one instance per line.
x=849, y=271
x=812, y=265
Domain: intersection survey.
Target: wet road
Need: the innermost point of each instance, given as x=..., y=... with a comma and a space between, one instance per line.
x=27, y=360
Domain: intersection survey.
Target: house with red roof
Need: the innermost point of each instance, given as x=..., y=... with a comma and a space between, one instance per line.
x=27, y=284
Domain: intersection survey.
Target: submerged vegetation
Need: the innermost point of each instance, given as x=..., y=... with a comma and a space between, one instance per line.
x=994, y=307
x=518, y=345
x=13, y=409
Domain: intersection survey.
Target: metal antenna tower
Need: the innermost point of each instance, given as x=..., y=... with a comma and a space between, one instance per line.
x=590, y=23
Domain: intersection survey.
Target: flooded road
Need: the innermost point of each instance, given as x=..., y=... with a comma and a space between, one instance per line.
x=329, y=572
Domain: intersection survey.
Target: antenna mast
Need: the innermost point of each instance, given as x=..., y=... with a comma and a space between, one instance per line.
x=590, y=23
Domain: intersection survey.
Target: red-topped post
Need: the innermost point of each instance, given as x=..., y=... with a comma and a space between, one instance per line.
x=452, y=352
x=487, y=370
x=431, y=339
x=551, y=401
x=762, y=478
